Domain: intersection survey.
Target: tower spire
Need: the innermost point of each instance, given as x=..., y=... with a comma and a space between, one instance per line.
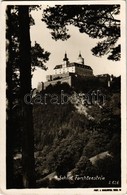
x=80, y=58
x=80, y=54
x=65, y=57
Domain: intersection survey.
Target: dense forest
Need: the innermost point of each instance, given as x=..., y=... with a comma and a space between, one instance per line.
x=77, y=139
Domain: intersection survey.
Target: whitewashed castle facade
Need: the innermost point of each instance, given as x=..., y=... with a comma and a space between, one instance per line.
x=66, y=71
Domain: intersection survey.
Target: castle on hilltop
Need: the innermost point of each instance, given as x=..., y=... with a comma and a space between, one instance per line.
x=66, y=72
x=77, y=67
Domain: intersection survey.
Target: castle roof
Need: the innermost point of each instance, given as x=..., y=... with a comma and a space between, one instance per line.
x=73, y=64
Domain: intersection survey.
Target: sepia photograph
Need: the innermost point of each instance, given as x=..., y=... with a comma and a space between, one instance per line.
x=65, y=97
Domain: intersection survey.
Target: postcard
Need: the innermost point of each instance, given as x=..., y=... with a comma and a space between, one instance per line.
x=63, y=97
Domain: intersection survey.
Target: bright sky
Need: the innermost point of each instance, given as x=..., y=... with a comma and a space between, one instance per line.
x=77, y=42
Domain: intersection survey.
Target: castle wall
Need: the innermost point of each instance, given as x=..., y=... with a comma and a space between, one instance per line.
x=56, y=76
x=74, y=69
x=40, y=86
x=64, y=70
x=66, y=74
x=83, y=71
x=62, y=80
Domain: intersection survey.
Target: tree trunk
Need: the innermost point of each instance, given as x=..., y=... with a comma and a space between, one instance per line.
x=25, y=84
x=9, y=96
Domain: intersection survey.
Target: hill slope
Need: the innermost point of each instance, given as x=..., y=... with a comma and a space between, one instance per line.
x=68, y=135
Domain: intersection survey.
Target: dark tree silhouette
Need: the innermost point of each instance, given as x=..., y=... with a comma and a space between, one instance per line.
x=97, y=21
x=25, y=83
x=9, y=94
x=21, y=61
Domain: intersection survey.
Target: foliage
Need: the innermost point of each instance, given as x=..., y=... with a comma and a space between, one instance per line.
x=97, y=21
x=38, y=59
x=67, y=139
x=18, y=74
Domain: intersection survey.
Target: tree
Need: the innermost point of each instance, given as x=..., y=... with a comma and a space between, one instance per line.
x=22, y=59
x=25, y=82
x=97, y=21
x=9, y=94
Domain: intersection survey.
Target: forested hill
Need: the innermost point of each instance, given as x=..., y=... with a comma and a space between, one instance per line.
x=68, y=135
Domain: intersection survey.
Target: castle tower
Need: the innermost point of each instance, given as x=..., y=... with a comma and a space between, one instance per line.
x=80, y=59
x=66, y=60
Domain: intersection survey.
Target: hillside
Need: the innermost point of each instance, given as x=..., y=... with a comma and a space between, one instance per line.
x=77, y=141
x=68, y=135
